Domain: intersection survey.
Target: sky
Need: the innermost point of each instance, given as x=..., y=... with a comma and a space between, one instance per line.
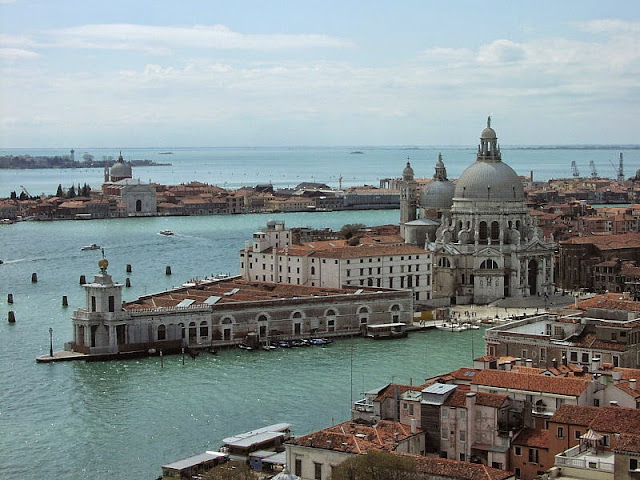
x=161, y=73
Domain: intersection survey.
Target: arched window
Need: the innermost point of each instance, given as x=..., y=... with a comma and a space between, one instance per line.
x=489, y=264
x=313, y=270
x=138, y=205
x=193, y=332
x=495, y=230
x=482, y=232
x=263, y=318
x=363, y=315
x=444, y=262
x=162, y=332
x=182, y=330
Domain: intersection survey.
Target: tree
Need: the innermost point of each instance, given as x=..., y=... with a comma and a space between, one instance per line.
x=350, y=229
x=71, y=193
x=87, y=157
x=59, y=192
x=14, y=195
x=230, y=471
x=375, y=465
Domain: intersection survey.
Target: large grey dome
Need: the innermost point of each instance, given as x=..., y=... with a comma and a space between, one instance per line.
x=120, y=169
x=437, y=194
x=484, y=181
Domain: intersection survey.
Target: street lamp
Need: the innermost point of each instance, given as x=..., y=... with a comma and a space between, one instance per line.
x=50, y=342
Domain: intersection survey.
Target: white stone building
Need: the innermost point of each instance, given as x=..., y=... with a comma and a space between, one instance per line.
x=485, y=244
x=136, y=198
x=273, y=258
x=225, y=313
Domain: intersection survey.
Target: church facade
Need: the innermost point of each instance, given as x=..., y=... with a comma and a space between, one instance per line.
x=485, y=246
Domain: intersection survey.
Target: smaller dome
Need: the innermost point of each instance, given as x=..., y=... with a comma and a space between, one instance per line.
x=407, y=173
x=271, y=223
x=120, y=170
x=437, y=194
x=488, y=133
x=103, y=263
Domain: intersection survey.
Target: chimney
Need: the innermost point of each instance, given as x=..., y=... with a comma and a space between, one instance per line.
x=554, y=362
x=564, y=360
x=518, y=361
x=613, y=403
x=507, y=366
x=531, y=176
x=529, y=362
x=470, y=401
x=595, y=364
x=633, y=384
x=328, y=444
x=617, y=375
x=414, y=428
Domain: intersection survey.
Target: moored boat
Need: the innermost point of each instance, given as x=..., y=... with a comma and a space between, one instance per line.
x=93, y=246
x=165, y=232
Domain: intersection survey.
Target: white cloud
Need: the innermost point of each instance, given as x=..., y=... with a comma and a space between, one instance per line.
x=501, y=51
x=17, y=54
x=164, y=39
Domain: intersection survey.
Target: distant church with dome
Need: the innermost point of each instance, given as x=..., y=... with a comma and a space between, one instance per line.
x=485, y=246
x=135, y=198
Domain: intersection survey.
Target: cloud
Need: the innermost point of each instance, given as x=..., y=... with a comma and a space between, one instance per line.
x=164, y=39
x=501, y=51
x=17, y=54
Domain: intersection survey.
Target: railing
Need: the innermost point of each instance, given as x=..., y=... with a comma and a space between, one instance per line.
x=363, y=406
x=587, y=462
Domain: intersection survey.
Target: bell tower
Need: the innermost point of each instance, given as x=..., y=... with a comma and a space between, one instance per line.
x=408, y=197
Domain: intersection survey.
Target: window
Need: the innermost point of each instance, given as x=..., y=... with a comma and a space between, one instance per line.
x=517, y=451
x=112, y=306
x=463, y=436
x=578, y=434
x=162, y=332
x=317, y=471
x=560, y=432
x=517, y=472
x=463, y=414
x=204, y=329
x=93, y=303
x=573, y=356
x=298, y=467
x=633, y=464
x=444, y=433
x=445, y=413
x=585, y=358
x=411, y=409
x=533, y=455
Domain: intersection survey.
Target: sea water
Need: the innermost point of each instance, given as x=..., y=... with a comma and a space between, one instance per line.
x=125, y=419
x=287, y=167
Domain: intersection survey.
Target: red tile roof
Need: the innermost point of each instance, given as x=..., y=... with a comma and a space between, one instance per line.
x=628, y=443
x=532, y=437
x=600, y=419
x=610, y=301
x=442, y=467
x=533, y=383
x=357, y=438
x=607, y=242
x=459, y=399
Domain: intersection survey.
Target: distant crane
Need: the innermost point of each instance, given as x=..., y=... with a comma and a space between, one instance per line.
x=619, y=170
x=594, y=172
x=574, y=169
x=25, y=191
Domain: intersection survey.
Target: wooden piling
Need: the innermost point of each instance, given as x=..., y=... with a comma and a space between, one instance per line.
x=12, y=316
x=167, y=270
x=128, y=268
x=10, y=298
x=83, y=279
x=34, y=278
x=65, y=301
x=127, y=282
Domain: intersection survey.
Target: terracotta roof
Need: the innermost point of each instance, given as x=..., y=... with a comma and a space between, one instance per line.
x=600, y=419
x=528, y=370
x=458, y=399
x=389, y=390
x=443, y=467
x=351, y=437
x=236, y=290
x=532, y=437
x=610, y=301
x=370, y=251
x=607, y=242
x=628, y=443
x=626, y=388
x=590, y=340
x=532, y=383
x=628, y=373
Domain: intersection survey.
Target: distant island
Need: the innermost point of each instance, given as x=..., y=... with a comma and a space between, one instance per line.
x=20, y=162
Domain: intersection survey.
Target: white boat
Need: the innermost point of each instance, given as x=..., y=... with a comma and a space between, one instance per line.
x=451, y=327
x=471, y=326
x=166, y=232
x=93, y=246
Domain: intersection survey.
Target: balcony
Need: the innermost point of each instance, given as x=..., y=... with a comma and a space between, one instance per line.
x=363, y=406
x=586, y=458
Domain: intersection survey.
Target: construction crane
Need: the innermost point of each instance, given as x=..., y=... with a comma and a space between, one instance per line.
x=25, y=191
x=619, y=169
x=594, y=172
x=574, y=169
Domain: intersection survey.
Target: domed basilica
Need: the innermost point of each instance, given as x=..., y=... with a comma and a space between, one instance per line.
x=485, y=245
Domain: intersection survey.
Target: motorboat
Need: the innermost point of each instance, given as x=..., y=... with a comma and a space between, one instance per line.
x=166, y=232
x=451, y=327
x=93, y=246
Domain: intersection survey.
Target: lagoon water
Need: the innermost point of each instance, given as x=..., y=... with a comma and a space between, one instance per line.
x=125, y=419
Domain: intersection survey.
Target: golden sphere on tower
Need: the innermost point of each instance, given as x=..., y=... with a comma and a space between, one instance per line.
x=103, y=263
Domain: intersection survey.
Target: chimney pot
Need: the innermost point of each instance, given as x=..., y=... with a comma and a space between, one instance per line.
x=633, y=384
